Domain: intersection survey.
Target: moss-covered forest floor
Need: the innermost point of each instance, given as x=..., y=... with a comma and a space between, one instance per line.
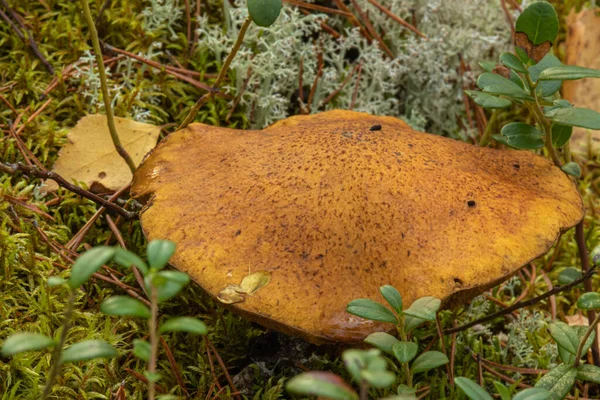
x=236, y=358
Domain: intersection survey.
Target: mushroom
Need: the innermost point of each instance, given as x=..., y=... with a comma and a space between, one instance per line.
x=288, y=224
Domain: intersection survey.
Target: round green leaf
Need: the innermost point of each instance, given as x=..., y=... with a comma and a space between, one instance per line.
x=184, y=324
x=125, y=306
x=369, y=309
x=533, y=394
x=405, y=351
x=511, y=61
x=383, y=341
x=572, y=168
x=427, y=361
x=545, y=88
x=471, y=389
x=589, y=301
x=424, y=308
x=25, y=341
x=392, y=296
x=539, y=22
x=142, y=349
x=88, y=350
x=175, y=276
x=378, y=379
x=561, y=135
x=323, y=384
x=569, y=275
x=128, y=259
x=565, y=336
x=520, y=136
x=88, y=263
x=487, y=100
x=159, y=252
x=264, y=12
x=496, y=84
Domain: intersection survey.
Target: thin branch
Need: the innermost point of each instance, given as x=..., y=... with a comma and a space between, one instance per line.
x=105, y=94
x=12, y=169
x=222, y=73
x=397, y=18
x=522, y=304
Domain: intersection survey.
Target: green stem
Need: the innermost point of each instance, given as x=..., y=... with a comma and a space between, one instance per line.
x=103, y=82
x=589, y=331
x=487, y=134
x=56, y=354
x=222, y=73
x=153, y=328
x=364, y=390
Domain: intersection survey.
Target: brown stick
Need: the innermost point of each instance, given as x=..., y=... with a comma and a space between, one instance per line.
x=43, y=174
x=372, y=30
x=339, y=89
x=522, y=304
x=315, y=7
x=397, y=18
x=313, y=88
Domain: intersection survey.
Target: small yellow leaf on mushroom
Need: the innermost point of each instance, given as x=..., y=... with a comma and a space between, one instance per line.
x=231, y=294
x=251, y=283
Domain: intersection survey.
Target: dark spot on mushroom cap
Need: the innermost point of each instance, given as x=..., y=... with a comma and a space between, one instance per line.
x=375, y=128
x=517, y=165
x=471, y=203
x=102, y=175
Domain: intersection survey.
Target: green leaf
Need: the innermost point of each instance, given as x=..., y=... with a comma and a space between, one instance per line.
x=427, y=361
x=383, y=341
x=358, y=360
x=125, y=306
x=142, y=349
x=88, y=263
x=569, y=275
x=25, y=341
x=511, y=61
x=264, y=12
x=55, y=281
x=88, y=350
x=568, y=73
x=184, y=324
x=392, y=296
x=488, y=66
x=424, y=308
x=533, y=394
x=545, y=88
x=561, y=135
x=369, y=309
x=432, y=303
x=128, y=259
x=405, y=351
x=323, y=384
x=589, y=301
x=496, y=84
x=166, y=286
x=588, y=372
x=575, y=116
x=520, y=136
x=471, y=389
x=559, y=381
x=502, y=390
x=565, y=336
x=539, y=22
x=487, y=100
x=378, y=379
x=159, y=252
x=175, y=276
x=572, y=168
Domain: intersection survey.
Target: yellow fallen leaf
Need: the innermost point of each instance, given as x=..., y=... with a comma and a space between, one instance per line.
x=90, y=155
x=251, y=283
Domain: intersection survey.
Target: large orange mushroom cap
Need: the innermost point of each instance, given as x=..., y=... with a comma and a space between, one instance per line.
x=319, y=210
